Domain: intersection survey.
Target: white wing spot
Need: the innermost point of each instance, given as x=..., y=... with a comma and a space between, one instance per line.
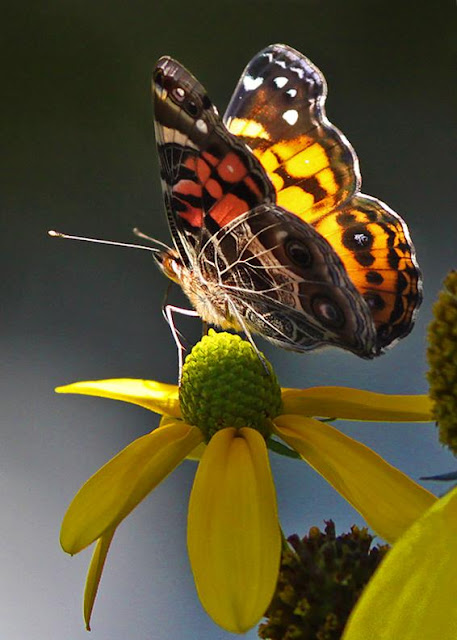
x=280, y=81
x=300, y=73
x=250, y=83
x=201, y=126
x=290, y=116
x=360, y=238
x=292, y=92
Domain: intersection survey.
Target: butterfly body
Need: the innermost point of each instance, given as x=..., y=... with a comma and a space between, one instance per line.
x=271, y=233
x=206, y=297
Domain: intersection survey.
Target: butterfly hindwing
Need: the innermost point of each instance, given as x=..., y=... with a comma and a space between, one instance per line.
x=374, y=245
x=284, y=279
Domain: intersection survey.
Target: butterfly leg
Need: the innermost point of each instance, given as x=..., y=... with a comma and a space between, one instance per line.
x=164, y=312
x=168, y=311
x=248, y=335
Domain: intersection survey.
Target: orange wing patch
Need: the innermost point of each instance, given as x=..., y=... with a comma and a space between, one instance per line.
x=222, y=187
x=314, y=177
x=374, y=246
x=311, y=176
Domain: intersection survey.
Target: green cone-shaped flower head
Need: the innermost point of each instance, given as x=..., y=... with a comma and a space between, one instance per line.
x=224, y=384
x=442, y=358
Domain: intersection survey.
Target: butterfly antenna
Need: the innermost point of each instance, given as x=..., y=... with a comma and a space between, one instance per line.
x=142, y=235
x=57, y=234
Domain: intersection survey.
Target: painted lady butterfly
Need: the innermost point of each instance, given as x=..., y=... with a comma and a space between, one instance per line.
x=272, y=235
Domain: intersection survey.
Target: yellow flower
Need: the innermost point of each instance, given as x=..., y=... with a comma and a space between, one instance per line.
x=229, y=414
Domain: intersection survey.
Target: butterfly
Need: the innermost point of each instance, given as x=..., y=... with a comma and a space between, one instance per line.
x=271, y=233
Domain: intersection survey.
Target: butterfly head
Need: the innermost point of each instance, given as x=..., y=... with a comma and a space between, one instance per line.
x=170, y=264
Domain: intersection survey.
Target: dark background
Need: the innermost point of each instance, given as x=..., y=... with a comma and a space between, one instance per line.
x=79, y=156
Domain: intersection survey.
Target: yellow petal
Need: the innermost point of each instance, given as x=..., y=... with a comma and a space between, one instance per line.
x=197, y=453
x=355, y=404
x=155, y=396
x=388, y=500
x=94, y=573
x=122, y=483
x=234, y=538
x=413, y=594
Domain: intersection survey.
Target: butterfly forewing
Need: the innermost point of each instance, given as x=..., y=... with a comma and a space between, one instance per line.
x=278, y=109
x=209, y=176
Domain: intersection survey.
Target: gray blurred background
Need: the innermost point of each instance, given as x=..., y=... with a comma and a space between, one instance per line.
x=79, y=156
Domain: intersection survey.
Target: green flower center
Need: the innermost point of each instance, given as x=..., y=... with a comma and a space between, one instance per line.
x=224, y=384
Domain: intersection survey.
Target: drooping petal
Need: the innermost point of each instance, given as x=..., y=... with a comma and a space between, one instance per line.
x=197, y=453
x=355, y=404
x=233, y=530
x=388, y=500
x=412, y=594
x=94, y=573
x=122, y=483
x=155, y=396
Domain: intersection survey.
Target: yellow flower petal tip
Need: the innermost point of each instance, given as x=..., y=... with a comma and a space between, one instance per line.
x=234, y=539
x=156, y=396
x=123, y=482
x=94, y=574
x=387, y=498
x=355, y=404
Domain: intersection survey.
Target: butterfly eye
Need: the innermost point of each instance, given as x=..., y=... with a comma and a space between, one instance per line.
x=178, y=94
x=298, y=253
x=327, y=312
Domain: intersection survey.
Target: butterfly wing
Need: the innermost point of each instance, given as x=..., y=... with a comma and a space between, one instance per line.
x=278, y=109
x=375, y=247
x=209, y=177
x=221, y=209
x=287, y=283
